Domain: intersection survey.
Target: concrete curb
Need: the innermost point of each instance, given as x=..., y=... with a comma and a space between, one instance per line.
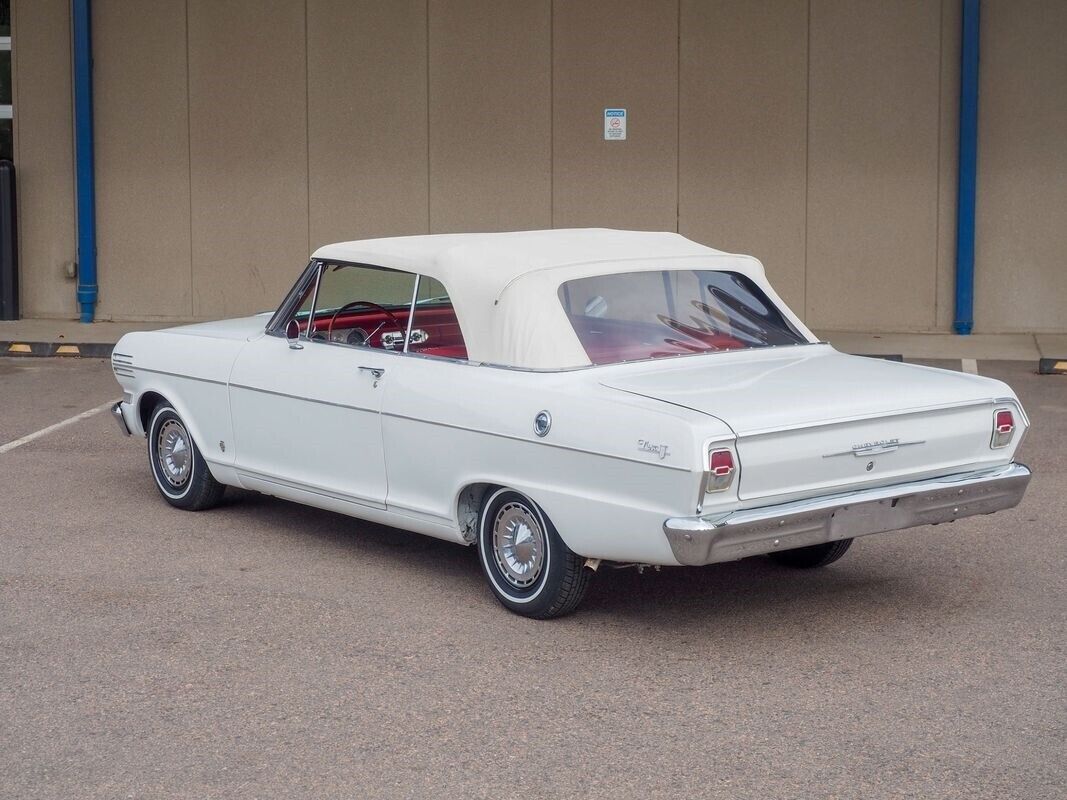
x=58, y=349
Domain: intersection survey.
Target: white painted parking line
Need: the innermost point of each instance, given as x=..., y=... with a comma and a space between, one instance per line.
x=970, y=366
x=5, y=448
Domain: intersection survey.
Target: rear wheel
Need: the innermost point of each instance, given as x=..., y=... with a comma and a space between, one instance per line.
x=529, y=568
x=817, y=555
x=181, y=473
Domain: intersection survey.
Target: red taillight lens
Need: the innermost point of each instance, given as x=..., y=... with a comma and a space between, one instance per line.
x=721, y=462
x=720, y=470
x=1003, y=428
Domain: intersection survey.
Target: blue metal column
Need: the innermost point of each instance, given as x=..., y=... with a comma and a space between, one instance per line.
x=968, y=169
x=83, y=157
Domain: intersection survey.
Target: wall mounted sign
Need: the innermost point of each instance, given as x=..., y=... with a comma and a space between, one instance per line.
x=614, y=124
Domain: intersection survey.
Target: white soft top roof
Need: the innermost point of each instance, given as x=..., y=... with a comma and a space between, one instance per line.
x=503, y=285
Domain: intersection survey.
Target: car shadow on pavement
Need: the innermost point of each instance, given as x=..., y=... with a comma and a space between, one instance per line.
x=862, y=587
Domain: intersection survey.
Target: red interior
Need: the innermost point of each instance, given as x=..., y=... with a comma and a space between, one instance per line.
x=439, y=322
x=611, y=341
x=605, y=341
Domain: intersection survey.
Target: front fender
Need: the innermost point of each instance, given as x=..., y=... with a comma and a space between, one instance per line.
x=190, y=373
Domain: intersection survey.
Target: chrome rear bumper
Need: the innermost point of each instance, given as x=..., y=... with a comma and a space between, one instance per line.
x=727, y=537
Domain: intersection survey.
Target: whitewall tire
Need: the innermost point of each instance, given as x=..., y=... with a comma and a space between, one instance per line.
x=180, y=472
x=529, y=568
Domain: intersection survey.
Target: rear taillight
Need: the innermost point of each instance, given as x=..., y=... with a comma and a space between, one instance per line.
x=720, y=470
x=1003, y=429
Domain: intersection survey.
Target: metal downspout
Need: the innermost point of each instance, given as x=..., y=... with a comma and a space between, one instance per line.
x=83, y=156
x=968, y=167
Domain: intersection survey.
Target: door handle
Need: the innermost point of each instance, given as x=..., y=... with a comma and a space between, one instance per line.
x=377, y=372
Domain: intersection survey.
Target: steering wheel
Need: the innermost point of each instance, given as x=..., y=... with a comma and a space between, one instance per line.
x=391, y=318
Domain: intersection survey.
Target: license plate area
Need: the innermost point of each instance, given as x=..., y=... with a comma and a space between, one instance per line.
x=875, y=517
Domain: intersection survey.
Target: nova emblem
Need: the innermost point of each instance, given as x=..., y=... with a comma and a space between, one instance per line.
x=660, y=450
x=873, y=448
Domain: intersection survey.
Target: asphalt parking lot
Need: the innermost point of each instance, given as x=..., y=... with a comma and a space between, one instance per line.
x=268, y=650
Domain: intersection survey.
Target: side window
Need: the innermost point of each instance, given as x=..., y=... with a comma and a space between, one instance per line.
x=358, y=305
x=435, y=328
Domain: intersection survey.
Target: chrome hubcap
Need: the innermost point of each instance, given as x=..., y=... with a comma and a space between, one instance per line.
x=172, y=451
x=518, y=545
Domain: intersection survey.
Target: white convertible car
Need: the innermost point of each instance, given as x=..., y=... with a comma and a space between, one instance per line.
x=564, y=397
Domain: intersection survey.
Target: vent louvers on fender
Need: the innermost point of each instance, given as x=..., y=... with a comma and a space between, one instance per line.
x=122, y=365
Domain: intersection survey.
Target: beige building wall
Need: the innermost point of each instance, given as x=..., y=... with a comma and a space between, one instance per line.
x=1021, y=247
x=488, y=119
x=248, y=153
x=44, y=156
x=874, y=82
x=818, y=135
x=142, y=159
x=367, y=134
x=743, y=90
x=606, y=54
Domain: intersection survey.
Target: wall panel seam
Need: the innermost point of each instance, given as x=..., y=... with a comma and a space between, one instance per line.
x=940, y=176
x=806, y=302
x=16, y=140
x=678, y=118
x=429, y=172
x=189, y=166
x=73, y=142
x=307, y=123
x=552, y=113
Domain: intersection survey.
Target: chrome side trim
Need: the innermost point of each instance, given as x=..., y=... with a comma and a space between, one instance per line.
x=631, y=362
x=728, y=537
x=900, y=412
x=539, y=442
x=310, y=399
x=418, y=513
x=177, y=375
x=120, y=420
x=244, y=472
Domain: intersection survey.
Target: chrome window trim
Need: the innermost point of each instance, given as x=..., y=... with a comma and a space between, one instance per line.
x=310, y=329
x=275, y=326
x=411, y=311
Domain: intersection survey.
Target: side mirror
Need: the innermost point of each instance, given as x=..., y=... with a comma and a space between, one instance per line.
x=292, y=333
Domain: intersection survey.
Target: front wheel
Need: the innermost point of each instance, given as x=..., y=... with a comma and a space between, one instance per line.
x=529, y=568
x=817, y=555
x=181, y=473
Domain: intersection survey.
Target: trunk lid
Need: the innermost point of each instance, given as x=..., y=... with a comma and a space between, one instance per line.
x=810, y=419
